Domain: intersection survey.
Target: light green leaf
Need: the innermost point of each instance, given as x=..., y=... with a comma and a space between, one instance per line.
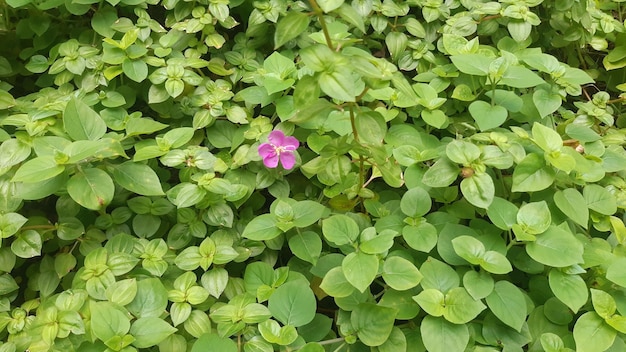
x=592, y=334
x=460, y=307
x=329, y=5
x=290, y=27
x=441, y=174
x=27, y=244
x=432, y=302
x=534, y=218
x=335, y=283
x=556, y=247
x=472, y=64
x=546, y=138
x=150, y=331
x=340, y=229
x=478, y=284
x=293, y=303
x=487, y=116
x=502, y=213
x=478, y=189
x=508, y=304
x=570, y=289
x=107, y=321
x=213, y=341
x=599, y=199
x=306, y=245
x=400, y=274
x=603, y=303
x=138, y=178
x=261, y=228
x=532, y=174
x=360, y=269
x=439, y=335
x=572, y=204
x=82, y=122
x=373, y=323
x=340, y=85
x=92, y=188
x=38, y=169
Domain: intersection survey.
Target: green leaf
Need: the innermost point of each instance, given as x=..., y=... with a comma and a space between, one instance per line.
x=556, y=247
x=307, y=212
x=439, y=335
x=438, y=275
x=508, y=304
x=108, y=321
x=478, y=284
x=329, y=5
x=487, y=116
x=432, y=302
x=441, y=174
x=290, y=27
x=360, y=269
x=616, y=272
x=137, y=70
x=213, y=341
x=274, y=333
x=546, y=138
x=569, y=289
x=603, y=303
x=151, y=299
x=150, y=331
x=306, y=245
x=400, y=274
x=340, y=85
x=462, y=152
x=472, y=64
x=520, y=77
x=7, y=284
x=82, y=122
x=460, y=307
x=13, y=152
x=592, y=334
x=373, y=323
x=138, y=178
x=27, y=244
x=350, y=15
x=293, y=303
x=137, y=126
x=546, y=101
x=532, y=174
x=262, y=228
x=534, y=218
x=572, y=204
x=92, y=188
x=422, y=237
x=335, y=283
x=478, y=189
x=340, y=229
x=469, y=248
x=502, y=213
x=38, y=169
x=599, y=199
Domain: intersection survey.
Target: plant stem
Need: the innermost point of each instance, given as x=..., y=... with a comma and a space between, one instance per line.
x=331, y=341
x=320, y=16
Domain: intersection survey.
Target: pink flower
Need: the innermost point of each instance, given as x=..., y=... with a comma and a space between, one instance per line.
x=279, y=147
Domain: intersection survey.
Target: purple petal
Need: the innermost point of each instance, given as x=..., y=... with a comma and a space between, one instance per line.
x=291, y=143
x=266, y=150
x=288, y=160
x=276, y=138
x=271, y=161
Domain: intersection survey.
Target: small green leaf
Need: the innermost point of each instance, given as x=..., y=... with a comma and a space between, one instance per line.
x=150, y=331
x=213, y=341
x=306, y=245
x=478, y=189
x=262, y=228
x=340, y=229
x=38, y=169
x=532, y=174
x=502, y=213
x=569, y=289
x=460, y=307
x=27, y=244
x=599, y=199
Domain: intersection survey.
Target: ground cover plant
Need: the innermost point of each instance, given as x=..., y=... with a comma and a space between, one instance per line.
x=323, y=175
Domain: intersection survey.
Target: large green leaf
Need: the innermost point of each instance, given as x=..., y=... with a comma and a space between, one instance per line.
x=478, y=189
x=532, y=174
x=572, y=204
x=439, y=335
x=592, y=334
x=92, y=188
x=373, y=323
x=262, y=228
x=508, y=304
x=293, y=303
x=213, y=341
x=150, y=331
x=38, y=169
x=487, y=116
x=569, y=289
x=82, y=122
x=340, y=229
x=360, y=269
x=400, y=274
x=290, y=27
x=138, y=178
x=556, y=247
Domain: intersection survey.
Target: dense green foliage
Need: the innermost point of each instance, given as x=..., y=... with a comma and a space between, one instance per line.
x=459, y=185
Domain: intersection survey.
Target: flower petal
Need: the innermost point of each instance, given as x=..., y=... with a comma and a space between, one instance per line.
x=287, y=159
x=266, y=150
x=271, y=161
x=276, y=138
x=291, y=143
